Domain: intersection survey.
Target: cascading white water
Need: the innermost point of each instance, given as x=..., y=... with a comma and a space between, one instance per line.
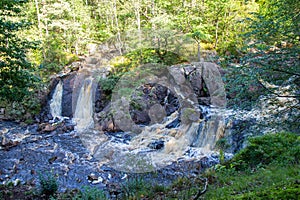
x=211, y=129
x=185, y=141
x=56, y=101
x=83, y=115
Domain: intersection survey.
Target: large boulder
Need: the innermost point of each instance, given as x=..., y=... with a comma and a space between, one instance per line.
x=151, y=100
x=68, y=87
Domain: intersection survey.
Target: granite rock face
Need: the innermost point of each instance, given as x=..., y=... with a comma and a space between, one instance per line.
x=149, y=103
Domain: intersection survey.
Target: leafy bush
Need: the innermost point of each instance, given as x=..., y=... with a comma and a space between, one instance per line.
x=136, y=187
x=268, y=168
x=279, y=149
x=90, y=193
x=16, y=77
x=23, y=110
x=269, y=59
x=271, y=182
x=48, y=184
x=108, y=84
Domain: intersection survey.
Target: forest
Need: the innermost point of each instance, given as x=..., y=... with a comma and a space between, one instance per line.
x=255, y=44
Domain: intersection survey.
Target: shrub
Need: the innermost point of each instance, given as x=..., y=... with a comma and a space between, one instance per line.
x=90, y=193
x=136, y=187
x=280, y=149
x=48, y=184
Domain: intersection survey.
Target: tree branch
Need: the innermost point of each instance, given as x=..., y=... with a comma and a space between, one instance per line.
x=201, y=192
x=272, y=92
x=291, y=73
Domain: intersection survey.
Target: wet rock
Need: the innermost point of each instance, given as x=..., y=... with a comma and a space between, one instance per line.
x=209, y=161
x=51, y=160
x=92, y=178
x=100, y=99
x=140, y=117
x=62, y=126
x=204, y=101
x=4, y=131
x=174, y=123
x=157, y=145
x=151, y=103
x=240, y=131
x=66, y=126
x=104, y=120
x=68, y=85
x=121, y=137
x=7, y=143
x=172, y=104
x=46, y=127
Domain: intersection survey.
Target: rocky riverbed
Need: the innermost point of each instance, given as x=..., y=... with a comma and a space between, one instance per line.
x=27, y=152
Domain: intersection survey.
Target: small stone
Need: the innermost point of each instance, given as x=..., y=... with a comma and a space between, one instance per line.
x=125, y=176
x=92, y=177
x=78, y=180
x=99, y=180
x=51, y=160
x=4, y=131
x=157, y=144
x=7, y=143
x=16, y=182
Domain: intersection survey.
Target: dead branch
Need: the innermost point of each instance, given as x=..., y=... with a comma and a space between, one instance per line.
x=201, y=192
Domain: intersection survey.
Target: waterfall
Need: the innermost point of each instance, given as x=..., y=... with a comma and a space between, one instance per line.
x=55, y=103
x=83, y=115
x=210, y=129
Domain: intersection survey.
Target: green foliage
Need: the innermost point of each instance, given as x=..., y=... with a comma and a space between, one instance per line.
x=279, y=149
x=131, y=61
x=200, y=36
x=268, y=168
x=270, y=56
x=272, y=182
x=181, y=188
x=90, y=193
x=144, y=56
x=108, y=84
x=136, y=188
x=16, y=77
x=186, y=187
x=48, y=184
x=276, y=20
x=24, y=110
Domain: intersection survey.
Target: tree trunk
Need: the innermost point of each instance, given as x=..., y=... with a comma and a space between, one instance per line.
x=199, y=51
x=117, y=27
x=137, y=8
x=39, y=25
x=216, y=34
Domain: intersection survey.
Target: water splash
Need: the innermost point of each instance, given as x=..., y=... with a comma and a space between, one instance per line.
x=158, y=146
x=211, y=129
x=56, y=101
x=83, y=115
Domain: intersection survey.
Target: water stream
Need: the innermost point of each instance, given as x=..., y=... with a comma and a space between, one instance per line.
x=83, y=115
x=156, y=146
x=56, y=101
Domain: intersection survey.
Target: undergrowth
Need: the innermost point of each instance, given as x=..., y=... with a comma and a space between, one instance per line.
x=268, y=168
